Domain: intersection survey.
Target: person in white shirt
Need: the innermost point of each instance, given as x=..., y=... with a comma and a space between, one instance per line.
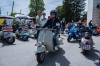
x=39, y=18
x=44, y=20
x=38, y=21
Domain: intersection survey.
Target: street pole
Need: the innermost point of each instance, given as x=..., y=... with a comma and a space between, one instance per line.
x=0, y=10
x=12, y=7
x=20, y=11
x=7, y=13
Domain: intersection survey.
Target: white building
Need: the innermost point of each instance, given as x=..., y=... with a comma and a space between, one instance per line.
x=93, y=11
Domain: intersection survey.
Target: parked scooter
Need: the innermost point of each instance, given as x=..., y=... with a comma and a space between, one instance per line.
x=45, y=43
x=7, y=34
x=93, y=29
x=86, y=43
x=74, y=33
x=32, y=31
x=23, y=33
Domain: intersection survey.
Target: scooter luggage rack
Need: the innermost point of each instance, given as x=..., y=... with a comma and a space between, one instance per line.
x=25, y=29
x=7, y=30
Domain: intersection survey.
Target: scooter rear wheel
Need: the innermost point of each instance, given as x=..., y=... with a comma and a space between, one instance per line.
x=85, y=52
x=40, y=57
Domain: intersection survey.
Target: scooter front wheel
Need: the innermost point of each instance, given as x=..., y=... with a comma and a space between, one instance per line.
x=25, y=38
x=69, y=39
x=10, y=40
x=40, y=57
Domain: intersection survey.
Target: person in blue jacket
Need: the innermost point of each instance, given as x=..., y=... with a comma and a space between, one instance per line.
x=53, y=23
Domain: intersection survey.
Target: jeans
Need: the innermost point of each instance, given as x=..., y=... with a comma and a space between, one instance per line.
x=55, y=33
x=38, y=31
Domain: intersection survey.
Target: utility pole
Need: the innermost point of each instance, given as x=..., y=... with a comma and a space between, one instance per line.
x=12, y=7
x=0, y=10
x=7, y=13
x=20, y=11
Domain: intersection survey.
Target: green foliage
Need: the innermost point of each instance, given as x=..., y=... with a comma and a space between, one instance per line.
x=71, y=9
x=85, y=15
x=13, y=14
x=36, y=5
x=60, y=13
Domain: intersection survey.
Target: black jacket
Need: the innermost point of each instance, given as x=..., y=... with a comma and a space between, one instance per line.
x=52, y=24
x=63, y=23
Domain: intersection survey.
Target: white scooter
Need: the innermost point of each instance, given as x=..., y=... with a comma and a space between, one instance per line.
x=7, y=34
x=86, y=43
x=45, y=43
x=33, y=31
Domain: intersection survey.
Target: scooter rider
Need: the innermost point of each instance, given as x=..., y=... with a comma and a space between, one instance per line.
x=52, y=23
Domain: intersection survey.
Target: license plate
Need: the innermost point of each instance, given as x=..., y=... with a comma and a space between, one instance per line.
x=86, y=47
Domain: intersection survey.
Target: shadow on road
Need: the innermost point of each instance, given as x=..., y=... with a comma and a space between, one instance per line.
x=74, y=41
x=20, y=39
x=92, y=55
x=55, y=59
x=5, y=44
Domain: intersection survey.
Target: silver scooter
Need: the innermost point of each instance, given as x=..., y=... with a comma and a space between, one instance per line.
x=86, y=43
x=45, y=43
x=7, y=34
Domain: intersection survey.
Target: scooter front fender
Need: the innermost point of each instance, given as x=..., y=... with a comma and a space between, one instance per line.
x=40, y=49
x=70, y=34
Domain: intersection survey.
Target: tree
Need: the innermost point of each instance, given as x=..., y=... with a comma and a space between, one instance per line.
x=36, y=5
x=13, y=14
x=85, y=15
x=72, y=9
x=60, y=13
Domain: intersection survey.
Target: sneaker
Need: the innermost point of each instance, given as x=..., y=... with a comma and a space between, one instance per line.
x=56, y=48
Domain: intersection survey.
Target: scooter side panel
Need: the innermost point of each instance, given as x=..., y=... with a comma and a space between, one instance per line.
x=10, y=35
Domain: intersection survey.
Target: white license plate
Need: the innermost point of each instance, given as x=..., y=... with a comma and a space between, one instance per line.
x=86, y=47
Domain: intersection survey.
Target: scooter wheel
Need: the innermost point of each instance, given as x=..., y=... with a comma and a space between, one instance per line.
x=25, y=38
x=85, y=52
x=40, y=57
x=10, y=41
x=69, y=39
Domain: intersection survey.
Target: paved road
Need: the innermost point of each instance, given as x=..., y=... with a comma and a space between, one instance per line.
x=22, y=54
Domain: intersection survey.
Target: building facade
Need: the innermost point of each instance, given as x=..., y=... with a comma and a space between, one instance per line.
x=93, y=11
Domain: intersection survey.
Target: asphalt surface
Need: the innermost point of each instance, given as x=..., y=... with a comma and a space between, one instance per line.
x=69, y=54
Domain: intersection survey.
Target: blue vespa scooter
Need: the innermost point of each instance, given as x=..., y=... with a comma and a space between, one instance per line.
x=74, y=33
x=23, y=33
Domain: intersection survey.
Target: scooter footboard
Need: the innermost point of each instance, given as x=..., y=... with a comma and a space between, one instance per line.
x=40, y=49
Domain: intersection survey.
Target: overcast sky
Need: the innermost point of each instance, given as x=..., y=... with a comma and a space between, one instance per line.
x=6, y=5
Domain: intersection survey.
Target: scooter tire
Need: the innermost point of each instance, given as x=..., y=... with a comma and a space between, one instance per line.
x=69, y=39
x=39, y=59
x=25, y=38
x=85, y=52
x=9, y=42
